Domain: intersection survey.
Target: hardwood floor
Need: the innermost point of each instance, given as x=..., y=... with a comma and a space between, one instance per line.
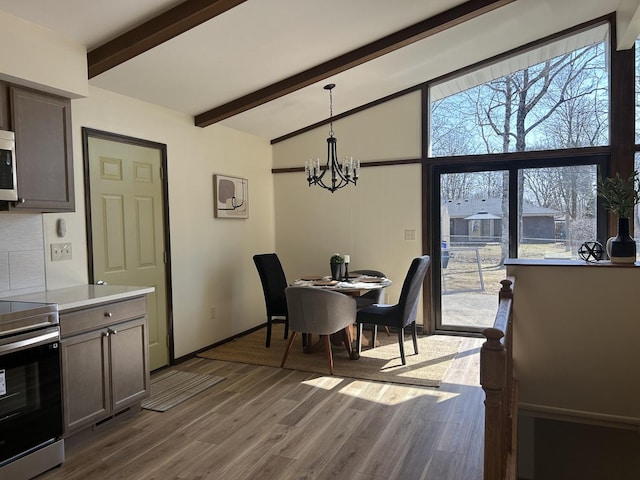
x=271, y=423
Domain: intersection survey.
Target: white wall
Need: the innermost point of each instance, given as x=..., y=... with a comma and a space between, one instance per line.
x=367, y=221
x=575, y=339
x=211, y=258
x=36, y=57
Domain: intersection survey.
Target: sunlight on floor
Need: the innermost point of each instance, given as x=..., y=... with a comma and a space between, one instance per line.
x=382, y=393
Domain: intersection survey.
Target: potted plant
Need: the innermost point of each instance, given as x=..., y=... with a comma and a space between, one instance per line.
x=336, y=263
x=620, y=196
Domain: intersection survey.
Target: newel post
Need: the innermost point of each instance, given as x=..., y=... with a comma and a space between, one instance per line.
x=506, y=292
x=493, y=379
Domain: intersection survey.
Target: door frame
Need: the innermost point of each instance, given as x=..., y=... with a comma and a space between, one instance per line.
x=162, y=149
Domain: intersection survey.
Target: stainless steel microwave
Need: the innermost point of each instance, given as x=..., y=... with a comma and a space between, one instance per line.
x=8, y=179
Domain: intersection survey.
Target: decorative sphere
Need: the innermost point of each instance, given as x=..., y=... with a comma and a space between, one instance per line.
x=591, y=251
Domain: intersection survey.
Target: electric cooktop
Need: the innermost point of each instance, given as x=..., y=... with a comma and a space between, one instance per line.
x=20, y=316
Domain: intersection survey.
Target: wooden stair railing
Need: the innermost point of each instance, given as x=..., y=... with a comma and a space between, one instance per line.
x=501, y=391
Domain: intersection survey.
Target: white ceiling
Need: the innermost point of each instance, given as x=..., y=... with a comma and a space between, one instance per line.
x=260, y=42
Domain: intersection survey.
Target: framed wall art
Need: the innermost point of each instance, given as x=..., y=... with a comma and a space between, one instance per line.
x=230, y=197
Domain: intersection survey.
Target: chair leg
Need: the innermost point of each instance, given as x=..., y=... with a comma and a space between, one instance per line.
x=358, y=340
x=286, y=327
x=327, y=347
x=374, y=335
x=289, y=345
x=386, y=329
x=401, y=342
x=268, y=342
x=414, y=333
x=346, y=338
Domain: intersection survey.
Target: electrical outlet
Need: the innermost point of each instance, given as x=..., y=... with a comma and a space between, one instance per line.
x=409, y=234
x=212, y=313
x=60, y=251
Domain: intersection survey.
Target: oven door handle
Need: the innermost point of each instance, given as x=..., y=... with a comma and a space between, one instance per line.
x=43, y=339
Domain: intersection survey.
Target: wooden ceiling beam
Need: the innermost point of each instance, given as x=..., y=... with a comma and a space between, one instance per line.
x=154, y=32
x=421, y=30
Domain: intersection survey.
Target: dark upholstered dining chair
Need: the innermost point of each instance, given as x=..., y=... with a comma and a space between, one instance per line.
x=273, y=284
x=374, y=296
x=322, y=312
x=401, y=314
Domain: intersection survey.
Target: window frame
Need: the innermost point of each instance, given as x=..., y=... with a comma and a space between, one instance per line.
x=618, y=156
x=512, y=163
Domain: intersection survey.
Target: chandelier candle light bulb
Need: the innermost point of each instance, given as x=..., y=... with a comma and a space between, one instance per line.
x=347, y=260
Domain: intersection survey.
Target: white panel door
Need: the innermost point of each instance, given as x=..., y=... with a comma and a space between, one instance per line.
x=128, y=228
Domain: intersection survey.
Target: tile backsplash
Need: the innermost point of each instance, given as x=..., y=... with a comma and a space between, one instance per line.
x=22, y=260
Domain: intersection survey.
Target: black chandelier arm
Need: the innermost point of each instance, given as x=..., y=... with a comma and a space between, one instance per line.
x=339, y=178
x=341, y=174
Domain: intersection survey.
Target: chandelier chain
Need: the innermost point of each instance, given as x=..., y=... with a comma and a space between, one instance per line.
x=330, y=112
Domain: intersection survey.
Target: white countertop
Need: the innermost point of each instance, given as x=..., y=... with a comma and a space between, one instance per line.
x=83, y=295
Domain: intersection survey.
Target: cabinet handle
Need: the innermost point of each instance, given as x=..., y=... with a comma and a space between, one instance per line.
x=111, y=331
x=105, y=334
x=21, y=200
x=108, y=314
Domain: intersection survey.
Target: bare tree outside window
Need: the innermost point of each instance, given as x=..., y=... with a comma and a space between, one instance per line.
x=559, y=103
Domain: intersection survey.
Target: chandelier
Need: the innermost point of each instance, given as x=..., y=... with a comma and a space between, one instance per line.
x=341, y=173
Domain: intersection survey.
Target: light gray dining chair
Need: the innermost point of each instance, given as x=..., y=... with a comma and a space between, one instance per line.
x=322, y=312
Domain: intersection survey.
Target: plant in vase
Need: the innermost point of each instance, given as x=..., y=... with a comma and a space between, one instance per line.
x=620, y=196
x=336, y=263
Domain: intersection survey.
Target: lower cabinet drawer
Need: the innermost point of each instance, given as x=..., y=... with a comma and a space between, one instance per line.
x=87, y=319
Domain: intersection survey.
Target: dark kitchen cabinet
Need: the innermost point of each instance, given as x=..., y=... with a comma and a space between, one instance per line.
x=5, y=119
x=105, y=366
x=42, y=126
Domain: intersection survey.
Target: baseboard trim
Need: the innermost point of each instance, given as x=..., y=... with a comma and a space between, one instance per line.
x=191, y=355
x=579, y=416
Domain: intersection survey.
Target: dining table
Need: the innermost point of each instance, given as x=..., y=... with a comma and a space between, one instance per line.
x=356, y=285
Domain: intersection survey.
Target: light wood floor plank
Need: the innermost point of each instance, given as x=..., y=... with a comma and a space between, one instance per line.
x=270, y=423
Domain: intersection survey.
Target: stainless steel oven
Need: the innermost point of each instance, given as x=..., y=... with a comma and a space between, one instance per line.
x=30, y=389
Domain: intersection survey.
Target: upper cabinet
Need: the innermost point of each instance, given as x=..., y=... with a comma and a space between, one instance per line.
x=42, y=126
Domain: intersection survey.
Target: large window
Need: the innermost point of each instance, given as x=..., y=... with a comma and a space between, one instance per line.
x=560, y=100
x=553, y=207
x=473, y=239
x=497, y=199
x=557, y=211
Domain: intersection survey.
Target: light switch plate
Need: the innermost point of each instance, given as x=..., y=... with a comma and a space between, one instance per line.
x=409, y=234
x=60, y=251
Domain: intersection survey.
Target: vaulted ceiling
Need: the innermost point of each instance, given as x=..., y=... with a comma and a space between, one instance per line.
x=259, y=66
